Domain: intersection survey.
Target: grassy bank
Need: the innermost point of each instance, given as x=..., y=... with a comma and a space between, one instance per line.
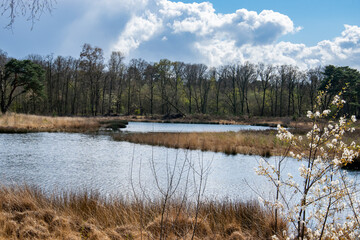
x=262, y=143
x=27, y=213
x=24, y=123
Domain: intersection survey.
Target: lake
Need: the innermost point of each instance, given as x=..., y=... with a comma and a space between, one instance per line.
x=71, y=161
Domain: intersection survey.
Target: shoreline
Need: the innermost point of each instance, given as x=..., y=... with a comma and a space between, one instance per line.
x=233, y=120
x=25, y=123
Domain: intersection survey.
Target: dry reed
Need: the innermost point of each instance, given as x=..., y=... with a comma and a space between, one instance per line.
x=22, y=123
x=28, y=213
x=262, y=143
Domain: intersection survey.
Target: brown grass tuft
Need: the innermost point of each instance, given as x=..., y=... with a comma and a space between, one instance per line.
x=27, y=213
x=10, y=228
x=262, y=143
x=177, y=226
x=231, y=228
x=23, y=123
x=32, y=231
x=237, y=235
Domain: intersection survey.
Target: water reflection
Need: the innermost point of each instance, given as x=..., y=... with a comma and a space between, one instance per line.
x=186, y=127
x=63, y=161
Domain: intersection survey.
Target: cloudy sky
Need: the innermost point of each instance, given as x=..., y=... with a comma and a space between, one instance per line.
x=306, y=33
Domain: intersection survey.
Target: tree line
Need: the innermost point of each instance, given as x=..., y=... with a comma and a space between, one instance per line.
x=91, y=86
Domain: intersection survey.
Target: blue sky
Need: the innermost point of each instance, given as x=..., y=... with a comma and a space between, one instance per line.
x=304, y=33
x=320, y=19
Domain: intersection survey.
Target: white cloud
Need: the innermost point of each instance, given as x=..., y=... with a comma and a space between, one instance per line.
x=219, y=52
x=343, y=50
x=94, y=22
x=201, y=21
x=195, y=32
x=138, y=30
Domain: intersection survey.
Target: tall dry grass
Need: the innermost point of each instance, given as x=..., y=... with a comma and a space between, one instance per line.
x=27, y=213
x=18, y=123
x=262, y=143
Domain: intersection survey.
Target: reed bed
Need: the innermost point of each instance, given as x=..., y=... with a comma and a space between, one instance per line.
x=23, y=123
x=262, y=143
x=28, y=213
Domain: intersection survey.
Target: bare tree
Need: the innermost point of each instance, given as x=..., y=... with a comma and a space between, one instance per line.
x=178, y=69
x=85, y=86
x=266, y=75
x=292, y=78
x=315, y=77
x=3, y=60
x=247, y=74
x=92, y=64
x=301, y=90
x=116, y=67
x=164, y=75
x=282, y=72
x=135, y=81
x=150, y=73
x=215, y=90
x=233, y=77
x=189, y=74
x=30, y=9
x=74, y=85
x=202, y=87
x=229, y=87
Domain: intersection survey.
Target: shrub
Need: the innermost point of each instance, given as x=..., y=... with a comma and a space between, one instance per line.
x=324, y=191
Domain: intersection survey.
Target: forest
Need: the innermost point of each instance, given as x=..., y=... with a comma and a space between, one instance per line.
x=91, y=86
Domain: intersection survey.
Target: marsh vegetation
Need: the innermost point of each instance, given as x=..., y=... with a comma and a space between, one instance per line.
x=28, y=213
x=23, y=123
x=168, y=198
x=26, y=123
x=262, y=143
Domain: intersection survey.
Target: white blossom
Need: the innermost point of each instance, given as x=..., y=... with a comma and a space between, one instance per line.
x=321, y=179
x=309, y=114
x=335, y=100
x=353, y=118
x=326, y=112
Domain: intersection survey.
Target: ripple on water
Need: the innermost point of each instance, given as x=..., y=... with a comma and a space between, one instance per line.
x=71, y=161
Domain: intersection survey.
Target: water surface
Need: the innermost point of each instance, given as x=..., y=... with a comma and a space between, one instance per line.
x=71, y=161
x=187, y=127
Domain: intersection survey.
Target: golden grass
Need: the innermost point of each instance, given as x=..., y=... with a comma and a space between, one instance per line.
x=22, y=123
x=262, y=143
x=250, y=142
x=27, y=213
